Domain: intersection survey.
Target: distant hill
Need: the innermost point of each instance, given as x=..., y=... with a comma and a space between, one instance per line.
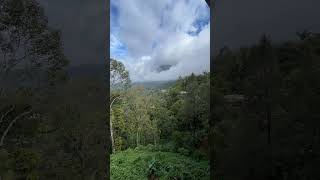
x=155, y=84
x=98, y=71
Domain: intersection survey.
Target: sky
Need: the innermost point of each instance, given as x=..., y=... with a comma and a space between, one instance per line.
x=160, y=40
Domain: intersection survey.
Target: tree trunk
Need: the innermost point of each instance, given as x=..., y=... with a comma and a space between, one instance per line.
x=4, y=115
x=111, y=134
x=137, y=138
x=111, y=129
x=269, y=127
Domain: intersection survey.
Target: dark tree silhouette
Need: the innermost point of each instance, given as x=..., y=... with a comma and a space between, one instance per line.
x=27, y=44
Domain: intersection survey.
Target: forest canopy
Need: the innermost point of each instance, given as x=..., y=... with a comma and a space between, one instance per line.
x=272, y=130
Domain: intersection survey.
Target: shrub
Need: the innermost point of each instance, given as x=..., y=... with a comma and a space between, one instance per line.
x=199, y=155
x=25, y=161
x=139, y=148
x=184, y=151
x=119, y=143
x=168, y=147
x=5, y=161
x=164, y=165
x=150, y=147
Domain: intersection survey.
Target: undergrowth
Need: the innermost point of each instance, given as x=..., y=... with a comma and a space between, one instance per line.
x=139, y=163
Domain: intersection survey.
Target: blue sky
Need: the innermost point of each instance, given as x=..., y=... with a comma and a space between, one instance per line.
x=148, y=35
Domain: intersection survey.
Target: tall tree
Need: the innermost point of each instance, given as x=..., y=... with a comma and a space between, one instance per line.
x=27, y=43
x=119, y=76
x=119, y=82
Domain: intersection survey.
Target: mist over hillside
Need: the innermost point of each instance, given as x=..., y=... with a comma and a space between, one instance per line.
x=99, y=71
x=155, y=84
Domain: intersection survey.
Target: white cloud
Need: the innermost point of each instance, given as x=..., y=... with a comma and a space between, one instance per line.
x=114, y=42
x=155, y=33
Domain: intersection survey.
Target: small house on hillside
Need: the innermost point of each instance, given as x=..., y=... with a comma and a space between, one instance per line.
x=183, y=92
x=163, y=90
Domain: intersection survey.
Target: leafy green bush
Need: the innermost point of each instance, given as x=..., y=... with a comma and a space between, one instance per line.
x=140, y=162
x=25, y=161
x=20, y=164
x=33, y=176
x=139, y=148
x=150, y=147
x=5, y=161
x=184, y=151
x=199, y=155
x=168, y=147
x=119, y=143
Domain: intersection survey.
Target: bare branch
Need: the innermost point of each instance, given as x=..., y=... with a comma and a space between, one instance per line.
x=11, y=124
x=5, y=114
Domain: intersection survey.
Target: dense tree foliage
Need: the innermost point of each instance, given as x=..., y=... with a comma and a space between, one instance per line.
x=173, y=119
x=177, y=115
x=119, y=76
x=49, y=129
x=64, y=136
x=273, y=131
x=29, y=50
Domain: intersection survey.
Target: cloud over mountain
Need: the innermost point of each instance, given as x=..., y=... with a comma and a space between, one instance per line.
x=160, y=40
